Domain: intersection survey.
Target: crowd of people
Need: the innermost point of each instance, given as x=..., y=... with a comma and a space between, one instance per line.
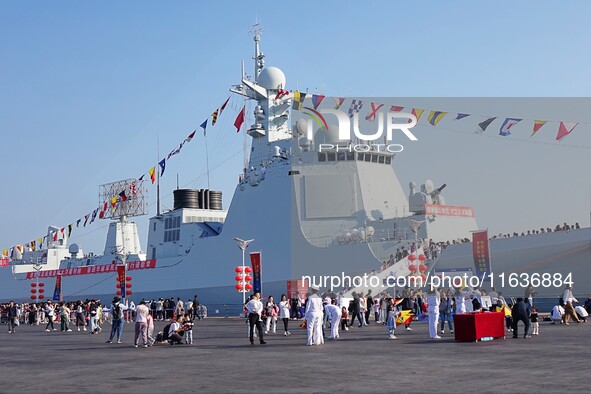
x=324, y=316
x=432, y=249
x=91, y=315
x=327, y=315
x=541, y=230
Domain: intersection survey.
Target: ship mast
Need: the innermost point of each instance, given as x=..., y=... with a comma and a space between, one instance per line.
x=259, y=57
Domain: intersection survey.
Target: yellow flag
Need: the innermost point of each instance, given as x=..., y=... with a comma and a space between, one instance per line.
x=404, y=317
x=507, y=310
x=417, y=112
x=435, y=116
x=152, y=172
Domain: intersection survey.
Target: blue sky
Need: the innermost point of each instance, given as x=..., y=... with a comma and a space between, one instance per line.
x=87, y=89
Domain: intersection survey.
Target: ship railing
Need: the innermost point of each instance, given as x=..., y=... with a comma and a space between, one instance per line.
x=384, y=235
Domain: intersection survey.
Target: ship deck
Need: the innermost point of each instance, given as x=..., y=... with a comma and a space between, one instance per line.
x=363, y=360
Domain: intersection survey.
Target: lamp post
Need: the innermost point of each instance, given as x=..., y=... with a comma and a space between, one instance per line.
x=243, y=245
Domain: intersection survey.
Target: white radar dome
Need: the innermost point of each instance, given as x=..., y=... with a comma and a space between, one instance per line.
x=330, y=136
x=272, y=78
x=74, y=249
x=302, y=126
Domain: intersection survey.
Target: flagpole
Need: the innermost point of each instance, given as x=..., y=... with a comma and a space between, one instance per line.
x=207, y=161
x=157, y=175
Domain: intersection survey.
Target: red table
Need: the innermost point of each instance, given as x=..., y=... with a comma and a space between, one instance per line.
x=477, y=325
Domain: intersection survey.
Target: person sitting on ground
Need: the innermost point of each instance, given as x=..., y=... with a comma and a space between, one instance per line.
x=174, y=332
x=556, y=314
x=588, y=304
x=344, y=319
x=582, y=313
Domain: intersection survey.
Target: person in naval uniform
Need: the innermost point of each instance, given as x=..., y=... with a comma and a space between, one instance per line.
x=333, y=312
x=433, y=310
x=314, y=316
x=460, y=305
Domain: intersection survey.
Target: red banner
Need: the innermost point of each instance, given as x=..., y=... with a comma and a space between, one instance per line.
x=121, y=275
x=448, y=210
x=480, y=252
x=92, y=269
x=4, y=261
x=57, y=293
x=255, y=261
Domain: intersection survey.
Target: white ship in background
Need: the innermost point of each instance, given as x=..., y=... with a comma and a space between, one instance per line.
x=310, y=213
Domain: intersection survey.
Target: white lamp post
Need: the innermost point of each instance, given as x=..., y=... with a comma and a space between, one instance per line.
x=243, y=245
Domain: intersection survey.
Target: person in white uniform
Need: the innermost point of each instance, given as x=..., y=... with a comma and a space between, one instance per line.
x=433, y=310
x=314, y=315
x=334, y=316
x=460, y=305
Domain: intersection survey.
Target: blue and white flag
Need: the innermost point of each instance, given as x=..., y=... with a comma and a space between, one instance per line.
x=355, y=107
x=507, y=125
x=162, y=165
x=93, y=215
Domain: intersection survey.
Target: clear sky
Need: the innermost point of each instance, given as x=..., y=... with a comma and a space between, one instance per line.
x=94, y=92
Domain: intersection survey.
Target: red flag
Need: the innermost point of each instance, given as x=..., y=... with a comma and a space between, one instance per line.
x=239, y=119
x=123, y=196
x=105, y=206
x=189, y=138
x=537, y=126
x=564, y=129
x=396, y=108
x=375, y=107
x=338, y=102
x=223, y=107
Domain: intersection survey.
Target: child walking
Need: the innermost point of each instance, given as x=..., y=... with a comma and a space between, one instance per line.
x=188, y=329
x=534, y=321
x=391, y=321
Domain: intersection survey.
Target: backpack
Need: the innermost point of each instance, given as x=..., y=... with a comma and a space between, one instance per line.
x=165, y=332
x=116, y=311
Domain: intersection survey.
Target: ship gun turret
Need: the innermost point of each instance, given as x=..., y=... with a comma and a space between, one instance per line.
x=428, y=194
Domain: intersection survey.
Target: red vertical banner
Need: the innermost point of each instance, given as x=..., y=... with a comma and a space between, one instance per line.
x=57, y=293
x=121, y=275
x=255, y=261
x=4, y=260
x=480, y=252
